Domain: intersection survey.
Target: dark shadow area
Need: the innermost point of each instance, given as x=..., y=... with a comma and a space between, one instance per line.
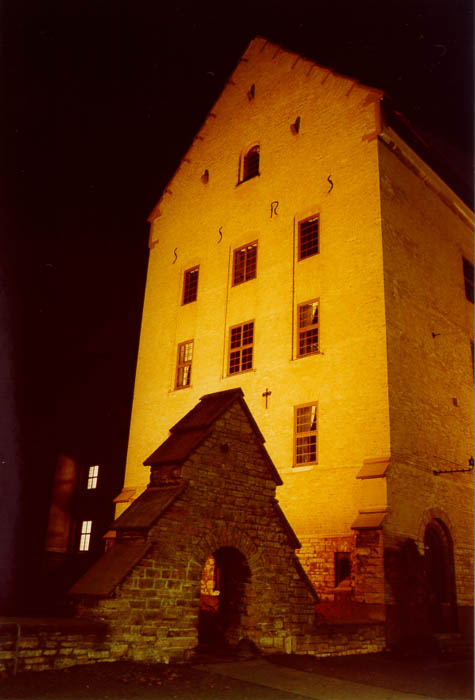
x=222, y=600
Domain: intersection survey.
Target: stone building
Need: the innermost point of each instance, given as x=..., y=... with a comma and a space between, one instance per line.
x=205, y=556
x=305, y=253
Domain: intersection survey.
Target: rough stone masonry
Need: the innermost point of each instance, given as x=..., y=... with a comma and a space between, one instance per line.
x=212, y=493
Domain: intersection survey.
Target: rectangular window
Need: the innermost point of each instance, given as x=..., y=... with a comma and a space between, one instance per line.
x=84, y=542
x=190, y=285
x=307, y=318
x=250, y=165
x=308, y=237
x=92, y=477
x=245, y=263
x=305, y=435
x=241, y=343
x=468, y=277
x=183, y=364
x=342, y=568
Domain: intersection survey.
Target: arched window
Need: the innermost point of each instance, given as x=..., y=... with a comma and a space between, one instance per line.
x=250, y=163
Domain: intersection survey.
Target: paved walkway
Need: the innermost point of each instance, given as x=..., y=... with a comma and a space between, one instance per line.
x=310, y=685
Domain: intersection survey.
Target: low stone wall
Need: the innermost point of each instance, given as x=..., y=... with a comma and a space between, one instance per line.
x=57, y=643
x=343, y=639
x=46, y=644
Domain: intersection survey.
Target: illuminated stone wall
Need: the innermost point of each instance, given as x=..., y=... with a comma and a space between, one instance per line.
x=329, y=168
x=228, y=502
x=387, y=275
x=426, y=233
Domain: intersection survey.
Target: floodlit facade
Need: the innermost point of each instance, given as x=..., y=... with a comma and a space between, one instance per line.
x=304, y=253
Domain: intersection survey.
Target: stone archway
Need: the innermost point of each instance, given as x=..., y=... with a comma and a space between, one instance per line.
x=223, y=600
x=440, y=577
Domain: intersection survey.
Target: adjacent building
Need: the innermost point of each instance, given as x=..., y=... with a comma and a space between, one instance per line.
x=305, y=253
x=80, y=512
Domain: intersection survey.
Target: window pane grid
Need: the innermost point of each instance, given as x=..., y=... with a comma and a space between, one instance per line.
x=306, y=419
x=246, y=358
x=184, y=361
x=308, y=238
x=306, y=434
x=308, y=328
x=236, y=335
x=241, y=348
x=306, y=449
x=85, y=540
x=247, y=333
x=245, y=263
x=190, y=285
x=92, y=477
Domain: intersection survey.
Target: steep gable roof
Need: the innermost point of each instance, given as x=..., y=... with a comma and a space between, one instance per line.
x=148, y=507
x=111, y=569
x=192, y=429
x=134, y=524
x=276, y=53
x=388, y=115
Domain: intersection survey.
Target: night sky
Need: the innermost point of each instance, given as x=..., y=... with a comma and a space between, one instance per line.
x=101, y=99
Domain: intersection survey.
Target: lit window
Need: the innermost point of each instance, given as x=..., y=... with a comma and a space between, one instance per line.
x=190, y=285
x=306, y=434
x=307, y=328
x=85, y=540
x=250, y=164
x=245, y=263
x=468, y=277
x=183, y=365
x=92, y=477
x=308, y=238
x=241, y=347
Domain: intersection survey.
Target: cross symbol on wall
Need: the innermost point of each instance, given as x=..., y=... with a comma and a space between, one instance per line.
x=266, y=395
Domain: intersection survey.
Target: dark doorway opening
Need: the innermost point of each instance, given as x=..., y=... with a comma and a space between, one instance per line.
x=224, y=582
x=440, y=578
x=342, y=569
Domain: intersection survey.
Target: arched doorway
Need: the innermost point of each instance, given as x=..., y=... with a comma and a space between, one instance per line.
x=223, y=599
x=440, y=577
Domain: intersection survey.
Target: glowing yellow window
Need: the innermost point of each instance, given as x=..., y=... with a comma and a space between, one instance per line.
x=241, y=344
x=85, y=541
x=307, y=318
x=183, y=365
x=92, y=477
x=305, y=447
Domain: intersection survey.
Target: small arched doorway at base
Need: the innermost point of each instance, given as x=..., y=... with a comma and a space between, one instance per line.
x=224, y=583
x=440, y=577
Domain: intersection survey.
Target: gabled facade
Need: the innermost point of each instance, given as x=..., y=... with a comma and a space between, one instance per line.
x=205, y=556
x=305, y=253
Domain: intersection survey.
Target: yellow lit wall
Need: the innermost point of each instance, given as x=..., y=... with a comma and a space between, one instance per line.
x=329, y=168
x=388, y=276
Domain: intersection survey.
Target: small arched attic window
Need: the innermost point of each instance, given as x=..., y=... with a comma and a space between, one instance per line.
x=250, y=163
